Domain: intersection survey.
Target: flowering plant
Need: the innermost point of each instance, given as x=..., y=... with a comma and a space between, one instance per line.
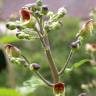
x=36, y=22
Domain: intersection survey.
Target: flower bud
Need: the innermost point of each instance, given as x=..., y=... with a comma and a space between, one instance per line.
x=37, y=14
x=11, y=25
x=33, y=7
x=20, y=27
x=87, y=28
x=34, y=66
x=75, y=44
x=50, y=14
x=23, y=35
x=45, y=9
x=39, y=2
x=61, y=12
x=12, y=50
x=20, y=35
x=90, y=47
x=58, y=88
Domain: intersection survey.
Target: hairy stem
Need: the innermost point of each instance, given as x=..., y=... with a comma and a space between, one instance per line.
x=46, y=45
x=66, y=64
x=44, y=80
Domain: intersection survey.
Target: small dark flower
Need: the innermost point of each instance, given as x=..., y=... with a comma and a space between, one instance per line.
x=34, y=66
x=59, y=88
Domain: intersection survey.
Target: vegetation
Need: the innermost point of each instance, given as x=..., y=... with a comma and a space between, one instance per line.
x=63, y=74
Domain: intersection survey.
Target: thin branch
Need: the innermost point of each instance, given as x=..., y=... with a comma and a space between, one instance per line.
x=26, y=59
x=66, y=64
x=44, y=80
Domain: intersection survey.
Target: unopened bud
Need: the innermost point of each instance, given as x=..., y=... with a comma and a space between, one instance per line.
x=61, y=12
x=11, y=25
x=58, y=88
x=39, y=2
x=20, y=35
x=75, y=44
x=12, y=50
x=87, y=28
x=34, y=66
x=45, y=9
x=38, y=14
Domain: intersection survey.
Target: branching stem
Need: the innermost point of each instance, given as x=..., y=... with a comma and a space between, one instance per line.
x=66, y=64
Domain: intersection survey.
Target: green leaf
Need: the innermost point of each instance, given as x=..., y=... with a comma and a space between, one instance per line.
x=31, y=85
x=8, y=92
x=78, y=64
x=8, y=39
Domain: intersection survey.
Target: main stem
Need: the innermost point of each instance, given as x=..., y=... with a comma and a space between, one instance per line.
x=46, y=45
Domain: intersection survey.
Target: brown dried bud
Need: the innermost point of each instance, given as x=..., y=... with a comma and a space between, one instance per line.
x=86, y=28
x=12, y=50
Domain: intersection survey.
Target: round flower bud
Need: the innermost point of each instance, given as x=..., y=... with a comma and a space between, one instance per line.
x=37, y=14
x=58, y=88
x=39, y=2
x=75, y=44
x=12, y=50
x=20, y=35
x=19, y=27
x=62, y=11
x=34, y=66
x=11, y=25
x=45, y=9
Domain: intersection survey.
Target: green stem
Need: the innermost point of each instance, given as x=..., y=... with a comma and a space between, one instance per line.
x=44, y=80
x=46, y=45
x=66, y=64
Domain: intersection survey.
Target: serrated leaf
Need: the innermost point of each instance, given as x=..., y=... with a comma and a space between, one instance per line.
x=31, y=85
x=8, y=92
x=78, y=64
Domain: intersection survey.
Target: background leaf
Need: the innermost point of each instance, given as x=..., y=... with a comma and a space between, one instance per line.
x=8, y=92
x=8, y=39
x=31, y=85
